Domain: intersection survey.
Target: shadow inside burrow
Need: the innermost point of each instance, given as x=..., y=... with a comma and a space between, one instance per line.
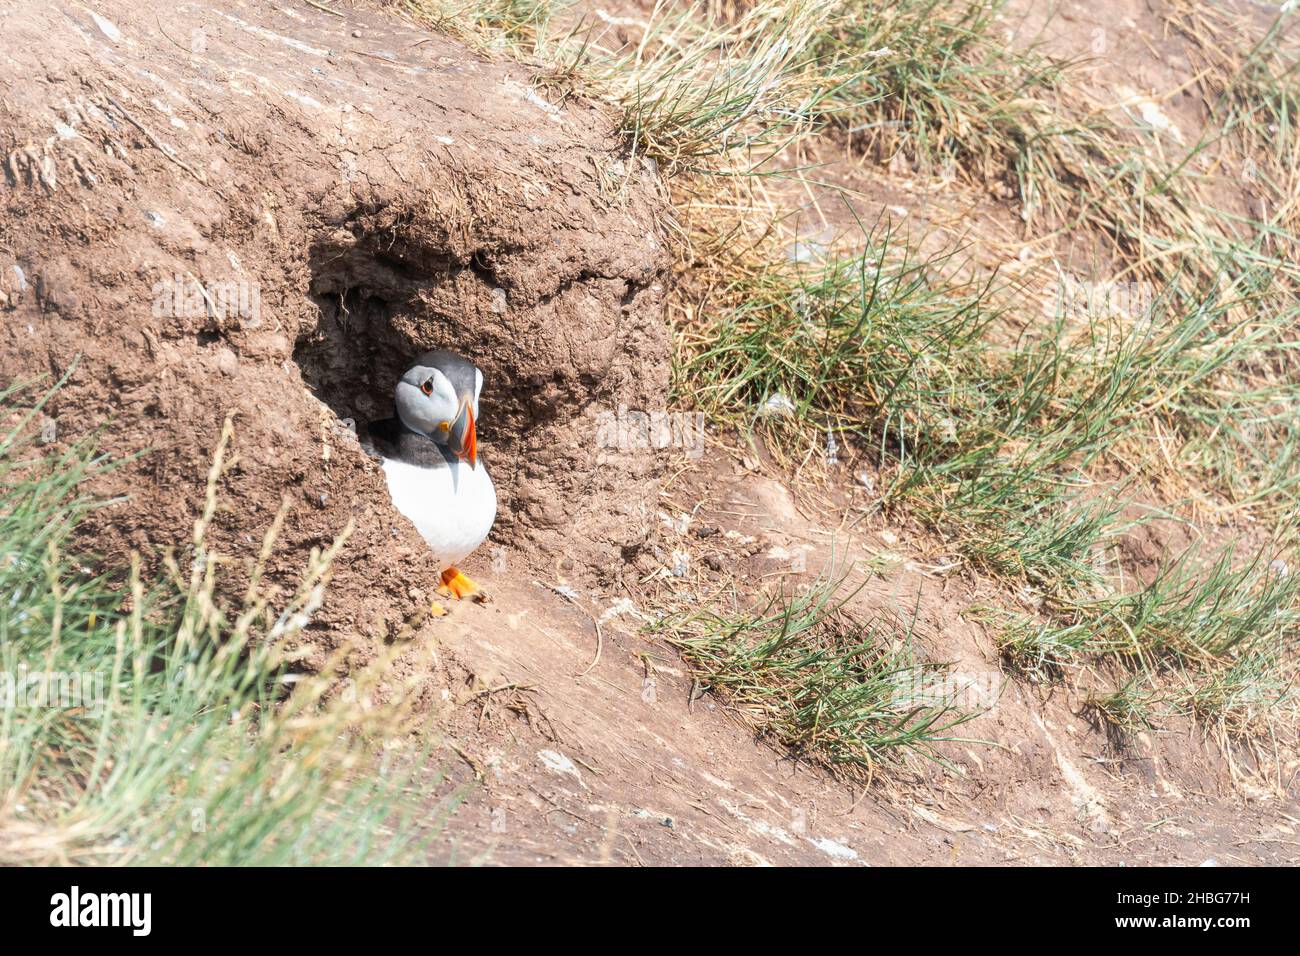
x=373, y=321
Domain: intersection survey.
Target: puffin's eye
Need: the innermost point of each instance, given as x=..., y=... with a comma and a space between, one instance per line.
x=427, y=387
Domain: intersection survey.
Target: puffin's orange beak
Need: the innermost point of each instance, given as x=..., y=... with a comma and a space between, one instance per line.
x=462, y=440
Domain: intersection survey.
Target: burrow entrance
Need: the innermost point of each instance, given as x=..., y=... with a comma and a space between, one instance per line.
x=551, y=365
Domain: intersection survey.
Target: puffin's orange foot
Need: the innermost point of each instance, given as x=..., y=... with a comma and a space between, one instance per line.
x=459, y=586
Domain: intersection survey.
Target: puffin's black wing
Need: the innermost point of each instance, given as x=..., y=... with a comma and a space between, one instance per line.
x=389, y=438
x=382, y=439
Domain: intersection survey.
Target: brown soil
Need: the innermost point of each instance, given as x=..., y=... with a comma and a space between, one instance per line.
x=384, y=192
x=389, y=191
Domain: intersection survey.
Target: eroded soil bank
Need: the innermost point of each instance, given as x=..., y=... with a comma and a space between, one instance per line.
x=264, y=211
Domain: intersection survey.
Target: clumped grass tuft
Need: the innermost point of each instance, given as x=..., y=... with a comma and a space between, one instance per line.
x=1223, y=630
x=1251, y=693
x=696, y=92
x=1122, y=712
x=702, y=95
x=520, y=27
x=1191, y=614
x=1036, y=650
x=844, y=342
x=949, y=94
x=848, y=694
x=994, y=436
x=146, y=723
x=942, y=89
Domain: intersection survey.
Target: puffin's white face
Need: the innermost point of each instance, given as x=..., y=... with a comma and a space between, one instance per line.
x=427, y=403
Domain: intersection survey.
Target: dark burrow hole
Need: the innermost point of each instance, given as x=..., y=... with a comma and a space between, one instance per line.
x=379, y=311
x=353, y=358
x=376, y=316
x=374, y=319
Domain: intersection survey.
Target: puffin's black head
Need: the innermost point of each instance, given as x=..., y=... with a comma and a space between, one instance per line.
x=438, y=397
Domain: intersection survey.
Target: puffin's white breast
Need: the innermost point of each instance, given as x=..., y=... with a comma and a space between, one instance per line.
x=453, y=508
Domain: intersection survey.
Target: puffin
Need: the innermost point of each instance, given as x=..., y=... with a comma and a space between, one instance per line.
x=429, y=453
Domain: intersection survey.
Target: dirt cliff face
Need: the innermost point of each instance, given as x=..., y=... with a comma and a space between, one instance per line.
x=265, y=212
